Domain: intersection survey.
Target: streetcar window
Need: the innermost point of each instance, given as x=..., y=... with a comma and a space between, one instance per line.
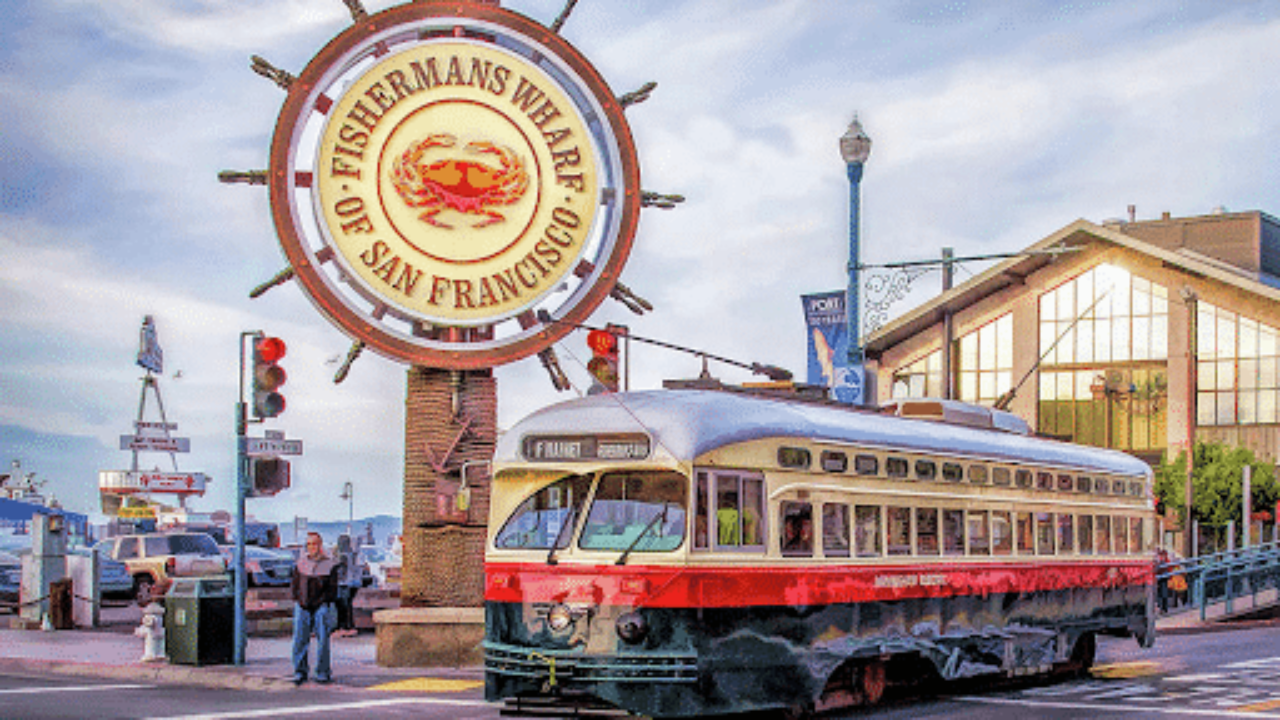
x=1122, y=535
x=1084, y=532
x=835, y=530
x=1023, y=478
x=899, y=526
x=1044, y=533
x=1101, y=486
x=1066, y=534
x=1135, y=489
x=868, y=530
x=701, y=510
x=1001, y=532
x=978, y=474
x=926, y=531
x=1102, y=535
x=793, y=457
x=797, y=529
x=979, y=537
x=953, y=472
x=952, y=532
x=870, y=465
x=926, y=469
x=640, y=511
x=834, y=462
x=1001, y=476
x=1084, y=484
x=1117, y=487
x=1066, y=483
x=739, y=509
x=895, y=467
x=1044, y=481
x=1026, y=534
x=1135, y=536
x=547, y=516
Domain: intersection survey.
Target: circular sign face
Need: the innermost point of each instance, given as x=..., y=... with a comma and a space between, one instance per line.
x=453, y=184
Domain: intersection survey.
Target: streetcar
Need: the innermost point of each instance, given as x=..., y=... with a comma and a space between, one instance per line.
x=677, y=553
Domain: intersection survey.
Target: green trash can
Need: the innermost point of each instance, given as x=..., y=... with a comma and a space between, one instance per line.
x=198, y=620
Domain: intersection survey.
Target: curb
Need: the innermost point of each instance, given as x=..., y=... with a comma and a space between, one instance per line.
x=156, y=673
x=1210, y=626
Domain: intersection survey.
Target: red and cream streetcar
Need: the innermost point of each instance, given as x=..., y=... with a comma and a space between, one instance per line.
x=680, y=553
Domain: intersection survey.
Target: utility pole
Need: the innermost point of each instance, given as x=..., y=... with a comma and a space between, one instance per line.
x=948, y=327
x=1193, y=381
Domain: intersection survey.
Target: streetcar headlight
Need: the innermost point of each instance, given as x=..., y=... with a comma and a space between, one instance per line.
x=632, y=628
x=559, y=618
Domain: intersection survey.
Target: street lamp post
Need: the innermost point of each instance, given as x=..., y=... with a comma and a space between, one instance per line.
x=349, y=494
x=855, y=148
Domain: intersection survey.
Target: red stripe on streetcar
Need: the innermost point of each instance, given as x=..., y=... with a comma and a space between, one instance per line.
x=681, y=587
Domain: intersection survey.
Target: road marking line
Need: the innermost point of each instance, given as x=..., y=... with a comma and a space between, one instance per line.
x=430, y=685
x=1140, y=668
x=1109, y=707
x=1196, y=678
x=72, y=688
x=1259, y=706
x=339, y=707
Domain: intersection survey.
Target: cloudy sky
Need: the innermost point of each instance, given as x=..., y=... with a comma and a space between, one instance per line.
x=994, y=124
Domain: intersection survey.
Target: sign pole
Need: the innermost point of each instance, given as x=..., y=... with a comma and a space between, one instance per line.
x=239, y=627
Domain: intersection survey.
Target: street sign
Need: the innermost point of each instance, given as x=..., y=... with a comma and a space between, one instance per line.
x=161, y=444
x=142, y=425
x=273, y=434
x=125, y=482
x=260, y=447
x=145, y=512
x=850, y=386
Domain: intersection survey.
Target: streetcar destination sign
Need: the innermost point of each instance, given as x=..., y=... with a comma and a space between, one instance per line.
x=585, y=447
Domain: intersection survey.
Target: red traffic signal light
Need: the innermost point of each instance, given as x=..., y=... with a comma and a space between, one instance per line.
x=268, y=377
x=603, y=365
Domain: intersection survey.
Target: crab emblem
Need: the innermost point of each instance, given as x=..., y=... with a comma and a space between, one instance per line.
x=467, y=186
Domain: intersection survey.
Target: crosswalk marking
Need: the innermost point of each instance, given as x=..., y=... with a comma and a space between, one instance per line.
x=1117, y=707
x=71, y=688
x=430, y=685
x=290, y=711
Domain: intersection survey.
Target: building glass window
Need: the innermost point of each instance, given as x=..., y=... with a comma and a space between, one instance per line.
x=1237, y=377
x=986, y=361
x=1105, y=382
x=922, y=378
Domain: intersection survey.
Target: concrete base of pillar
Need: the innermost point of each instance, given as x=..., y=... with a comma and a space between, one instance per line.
x=429, y=637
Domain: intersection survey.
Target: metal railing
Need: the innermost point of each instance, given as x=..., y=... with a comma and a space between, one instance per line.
x=1223, y=578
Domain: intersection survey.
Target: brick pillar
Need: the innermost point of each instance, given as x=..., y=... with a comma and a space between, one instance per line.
x=450, y=421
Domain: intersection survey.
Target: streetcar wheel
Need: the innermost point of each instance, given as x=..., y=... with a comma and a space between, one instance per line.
x=1083, y=654
x=874, y=678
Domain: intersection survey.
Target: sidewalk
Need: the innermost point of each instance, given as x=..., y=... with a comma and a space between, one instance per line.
x=105, y=654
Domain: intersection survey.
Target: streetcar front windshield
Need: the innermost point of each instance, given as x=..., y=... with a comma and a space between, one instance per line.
x=547, y=516
x=643, y=511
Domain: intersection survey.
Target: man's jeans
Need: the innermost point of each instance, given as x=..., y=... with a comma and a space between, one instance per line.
x=304, y=624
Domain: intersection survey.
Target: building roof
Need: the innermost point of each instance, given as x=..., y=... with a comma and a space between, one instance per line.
x=684, y=424
x=1015, y=270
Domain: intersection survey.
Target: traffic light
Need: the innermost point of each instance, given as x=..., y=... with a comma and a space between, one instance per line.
x=603, y=365
x=268, y=476
x=268, y=376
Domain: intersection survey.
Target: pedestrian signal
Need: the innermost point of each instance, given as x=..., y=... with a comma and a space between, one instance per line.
x=268, y=376
x=268, y=476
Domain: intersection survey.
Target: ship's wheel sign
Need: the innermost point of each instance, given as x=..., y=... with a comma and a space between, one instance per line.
x=453, y=184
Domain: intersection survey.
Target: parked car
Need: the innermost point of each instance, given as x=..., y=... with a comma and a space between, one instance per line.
x=10, y=580
x=154, y=559
x=114, y=579
x=263, y=566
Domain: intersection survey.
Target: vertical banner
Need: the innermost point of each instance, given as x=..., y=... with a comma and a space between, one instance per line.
x=828, y=338
x=828, y=342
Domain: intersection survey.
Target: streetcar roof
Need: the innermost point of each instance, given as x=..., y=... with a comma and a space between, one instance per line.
x=689, y=423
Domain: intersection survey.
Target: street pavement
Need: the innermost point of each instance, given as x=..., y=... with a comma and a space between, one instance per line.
x=113, y=654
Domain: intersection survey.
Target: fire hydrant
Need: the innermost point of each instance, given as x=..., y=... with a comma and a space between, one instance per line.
x=152, y=632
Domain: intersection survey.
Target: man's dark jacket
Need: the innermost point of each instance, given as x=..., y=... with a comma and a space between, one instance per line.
x=315, y=582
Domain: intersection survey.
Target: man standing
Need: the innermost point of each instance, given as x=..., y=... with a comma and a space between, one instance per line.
x=315, y=587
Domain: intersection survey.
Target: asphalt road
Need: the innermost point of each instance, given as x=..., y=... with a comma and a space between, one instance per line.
x=1233, y=674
